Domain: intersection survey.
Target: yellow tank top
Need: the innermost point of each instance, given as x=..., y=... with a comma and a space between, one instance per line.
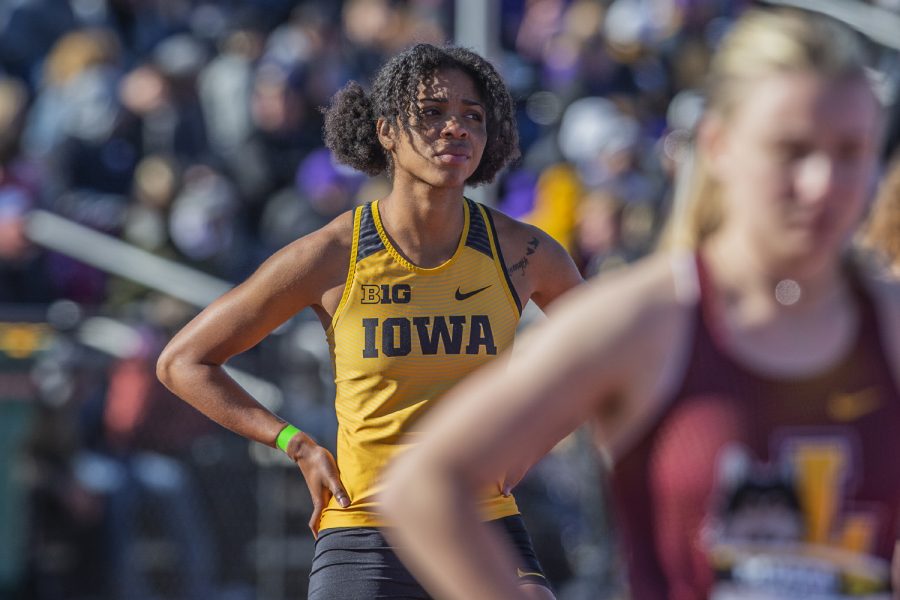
x=402, y=336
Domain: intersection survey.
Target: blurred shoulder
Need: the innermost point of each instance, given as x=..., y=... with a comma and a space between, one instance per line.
x=650, y=292
x=627, y=332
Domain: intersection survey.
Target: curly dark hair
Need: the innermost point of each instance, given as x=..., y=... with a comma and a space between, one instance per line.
x=350, y=119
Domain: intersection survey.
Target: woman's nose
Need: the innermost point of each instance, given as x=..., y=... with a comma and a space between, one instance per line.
x=454, y=128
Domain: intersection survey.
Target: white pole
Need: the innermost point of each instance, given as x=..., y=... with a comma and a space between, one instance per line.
x=115, y=256
x=476, y=26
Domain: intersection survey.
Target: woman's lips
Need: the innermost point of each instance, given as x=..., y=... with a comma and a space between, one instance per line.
x=452, y=157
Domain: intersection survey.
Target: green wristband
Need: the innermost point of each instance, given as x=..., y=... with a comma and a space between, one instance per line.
x=285, y=436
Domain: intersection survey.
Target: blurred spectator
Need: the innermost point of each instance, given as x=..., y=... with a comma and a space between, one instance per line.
x=322, y=190
x=178, y=126
x=601, y=142
x=224, y=89
x=155, y=184
x=65, y=513
x=27, y=30
x=76, y=100
x=22, y=266
x=204, y=224
x=598, y=233
x=147, y=430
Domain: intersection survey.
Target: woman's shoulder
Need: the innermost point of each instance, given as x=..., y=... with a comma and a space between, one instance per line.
x=527, y=243
x=510, y=229
x=340, y=229
x=546, y=266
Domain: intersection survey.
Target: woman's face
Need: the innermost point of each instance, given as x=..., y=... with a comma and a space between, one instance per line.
x=444, y=145
x=795, y=162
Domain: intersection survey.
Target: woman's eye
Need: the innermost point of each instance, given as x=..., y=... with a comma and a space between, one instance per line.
x=850, y=151
x=476, y=116
x=430, y=112
x=790, y=152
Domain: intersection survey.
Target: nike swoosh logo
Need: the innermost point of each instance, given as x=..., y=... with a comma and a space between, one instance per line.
x=521, y=573
x=462, y=296
x=850, y=406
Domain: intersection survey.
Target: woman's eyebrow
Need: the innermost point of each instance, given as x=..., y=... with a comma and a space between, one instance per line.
x=445, y=100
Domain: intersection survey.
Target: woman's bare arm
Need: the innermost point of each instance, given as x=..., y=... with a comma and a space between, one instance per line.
x=590, y=352
x=308, y=272
x=297, y=276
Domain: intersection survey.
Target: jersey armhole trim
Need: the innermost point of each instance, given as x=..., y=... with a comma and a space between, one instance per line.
x=498, y=259
x=351, y=273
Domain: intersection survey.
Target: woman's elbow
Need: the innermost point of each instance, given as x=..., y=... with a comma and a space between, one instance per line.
x=168, y=366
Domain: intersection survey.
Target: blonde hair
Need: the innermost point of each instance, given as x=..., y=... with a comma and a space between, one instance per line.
x=75, y=52
x=762, y=42
x=881, y=234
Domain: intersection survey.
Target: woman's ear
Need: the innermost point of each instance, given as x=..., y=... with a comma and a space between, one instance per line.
x=712, y=143
x=385, y=133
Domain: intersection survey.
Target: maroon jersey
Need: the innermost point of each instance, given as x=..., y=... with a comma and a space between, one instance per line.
x=837, y=433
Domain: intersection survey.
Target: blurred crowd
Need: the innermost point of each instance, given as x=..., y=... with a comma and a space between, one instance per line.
x=191, y=129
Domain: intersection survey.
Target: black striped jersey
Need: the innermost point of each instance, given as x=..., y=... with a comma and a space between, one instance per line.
x=401, y=336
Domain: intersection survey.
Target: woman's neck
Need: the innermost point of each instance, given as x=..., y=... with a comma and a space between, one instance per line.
x=779, y=319
x=746, y=273
x=423, y=222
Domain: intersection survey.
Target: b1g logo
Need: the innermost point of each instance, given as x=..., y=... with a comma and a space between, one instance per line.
x=385, y=293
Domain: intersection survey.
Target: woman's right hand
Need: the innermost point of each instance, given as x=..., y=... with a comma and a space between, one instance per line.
x=321, y=474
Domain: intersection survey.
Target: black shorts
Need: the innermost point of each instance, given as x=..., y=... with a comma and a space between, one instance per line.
x=357, y=563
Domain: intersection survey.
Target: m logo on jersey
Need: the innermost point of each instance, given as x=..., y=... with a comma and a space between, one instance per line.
x=394, y=336
x=850, y=406
x=812, y=481
x=385, y=293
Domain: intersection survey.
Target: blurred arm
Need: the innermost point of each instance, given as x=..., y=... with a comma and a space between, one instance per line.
x=590, y=352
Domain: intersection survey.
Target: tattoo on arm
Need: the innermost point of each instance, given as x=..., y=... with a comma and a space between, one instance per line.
x=529, y=250
x=519, y=266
